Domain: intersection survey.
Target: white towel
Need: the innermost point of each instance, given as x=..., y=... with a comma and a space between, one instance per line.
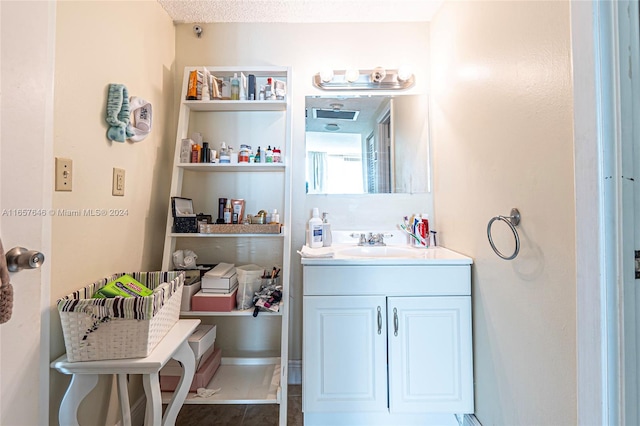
x=140, y=126
x=316, y=252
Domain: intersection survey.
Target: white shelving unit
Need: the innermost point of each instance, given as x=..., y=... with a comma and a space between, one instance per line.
x=253, y=374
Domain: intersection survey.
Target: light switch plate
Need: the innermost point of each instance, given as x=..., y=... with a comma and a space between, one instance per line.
x=118, y=182
x=64, y=174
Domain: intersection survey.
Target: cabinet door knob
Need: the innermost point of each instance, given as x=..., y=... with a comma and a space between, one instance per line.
x=379, y=320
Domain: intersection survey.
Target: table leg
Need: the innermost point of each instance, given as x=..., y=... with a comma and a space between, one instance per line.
x=185, y=356
x=153, y=413
x=123, y=395
x=79, y=388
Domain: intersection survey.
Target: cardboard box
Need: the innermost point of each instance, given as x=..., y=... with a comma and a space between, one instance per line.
x=213, y=302
x=202, y=377
x=222, y=277
x=187, y=292
x=202, y=339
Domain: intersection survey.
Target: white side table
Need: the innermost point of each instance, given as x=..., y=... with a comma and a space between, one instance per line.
x=85, y=377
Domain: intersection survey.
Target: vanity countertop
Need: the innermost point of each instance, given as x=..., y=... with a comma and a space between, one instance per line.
x=351, y=254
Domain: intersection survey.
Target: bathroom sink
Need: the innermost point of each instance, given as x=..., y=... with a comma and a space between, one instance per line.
x=380, y=252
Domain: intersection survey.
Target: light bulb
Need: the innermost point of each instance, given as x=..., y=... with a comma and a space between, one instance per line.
x=351, y=75
x=378, y=74
x=326, y=75
x=404, y=74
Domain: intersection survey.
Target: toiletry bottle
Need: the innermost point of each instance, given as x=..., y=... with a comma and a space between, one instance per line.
x=277, y=156
x=261, y=95
x=268, y=158
x=205, y=153
x=227, y=212
x=326, y=230
x=257, y=158
x=224, y=153
x=275, y=216
x=222, y=202
x=315, y=230
x=268, y=89
x=194, y=153
x=235, y=87
x=427, y=232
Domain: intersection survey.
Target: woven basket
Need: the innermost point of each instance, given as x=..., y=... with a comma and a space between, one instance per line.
x=98, y=329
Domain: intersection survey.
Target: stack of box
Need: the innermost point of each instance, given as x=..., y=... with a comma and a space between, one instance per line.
x=208, y=358
x=218, y=290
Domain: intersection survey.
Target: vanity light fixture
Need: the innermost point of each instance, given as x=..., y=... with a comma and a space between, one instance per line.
x=375, y=79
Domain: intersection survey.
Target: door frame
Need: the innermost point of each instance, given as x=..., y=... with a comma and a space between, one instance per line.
x=603, y=185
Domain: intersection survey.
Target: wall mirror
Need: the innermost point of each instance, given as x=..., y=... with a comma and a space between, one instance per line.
x=367, y=144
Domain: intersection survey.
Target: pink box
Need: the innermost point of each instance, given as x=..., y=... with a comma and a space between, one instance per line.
x=215, y=302
x=200, y=380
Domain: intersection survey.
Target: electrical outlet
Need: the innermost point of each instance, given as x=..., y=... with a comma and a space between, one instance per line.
x=63, y=174
x=118, y=182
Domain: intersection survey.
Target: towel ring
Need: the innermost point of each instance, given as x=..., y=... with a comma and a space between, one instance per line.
x=512, y=221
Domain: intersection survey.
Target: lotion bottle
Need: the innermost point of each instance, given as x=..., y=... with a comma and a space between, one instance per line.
x=326, y=230
x=315, y=229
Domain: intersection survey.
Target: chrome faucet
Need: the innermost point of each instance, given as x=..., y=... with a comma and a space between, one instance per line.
x=370, y=239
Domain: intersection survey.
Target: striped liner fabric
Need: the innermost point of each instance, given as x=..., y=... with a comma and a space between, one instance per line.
x=164, y=285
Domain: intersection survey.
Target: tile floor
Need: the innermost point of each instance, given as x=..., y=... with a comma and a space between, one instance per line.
x=242, y=415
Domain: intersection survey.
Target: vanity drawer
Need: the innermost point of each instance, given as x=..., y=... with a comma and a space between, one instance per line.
x=387, y=280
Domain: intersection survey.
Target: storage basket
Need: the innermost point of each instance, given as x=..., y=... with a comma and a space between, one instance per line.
x=120, y=327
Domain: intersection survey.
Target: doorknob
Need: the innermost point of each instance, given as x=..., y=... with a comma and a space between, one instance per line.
x=19, y=258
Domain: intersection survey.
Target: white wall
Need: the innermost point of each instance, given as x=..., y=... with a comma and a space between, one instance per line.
x=98, y=43
x=502, y=136
x=308, y=48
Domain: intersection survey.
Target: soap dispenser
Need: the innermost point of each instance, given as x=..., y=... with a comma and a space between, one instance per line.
x=326, y=230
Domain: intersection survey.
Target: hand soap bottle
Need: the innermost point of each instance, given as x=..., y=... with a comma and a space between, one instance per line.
x=326, y=230
x=315, y=230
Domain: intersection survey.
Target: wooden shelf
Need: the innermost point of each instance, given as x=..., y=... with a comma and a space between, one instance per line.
x=220, y=105
x=241, y=381
x=239, y=167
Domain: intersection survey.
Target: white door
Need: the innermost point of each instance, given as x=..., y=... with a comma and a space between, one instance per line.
x=26, y=98
x=430, y=355
x=345, y=352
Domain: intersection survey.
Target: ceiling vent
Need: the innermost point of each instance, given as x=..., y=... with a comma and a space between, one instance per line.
x=335, y=114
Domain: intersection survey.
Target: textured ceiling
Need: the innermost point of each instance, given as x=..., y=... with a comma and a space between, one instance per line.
x=208, y=11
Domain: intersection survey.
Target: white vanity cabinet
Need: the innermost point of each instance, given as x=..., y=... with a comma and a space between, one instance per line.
x=386, y=345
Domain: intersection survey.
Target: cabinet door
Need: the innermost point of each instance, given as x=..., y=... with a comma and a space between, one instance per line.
x=344, y=355
x=430, y=358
